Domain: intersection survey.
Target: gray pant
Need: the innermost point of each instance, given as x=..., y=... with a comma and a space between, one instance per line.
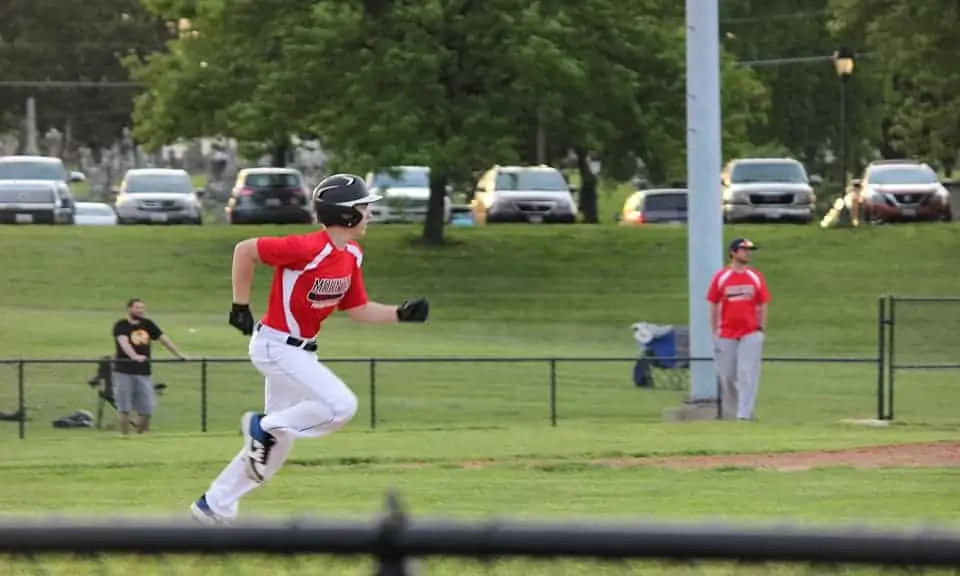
x=133, y=393
x=738, y=367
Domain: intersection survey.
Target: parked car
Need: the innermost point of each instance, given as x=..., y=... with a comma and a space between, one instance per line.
x=269, y=196
x=523, y=194
x=655, y=206
x=33, y=202
x=406, y=194
x=94, y=214
x=158, y=196
x=767, y=190
x=902, y=191
x=42, y=168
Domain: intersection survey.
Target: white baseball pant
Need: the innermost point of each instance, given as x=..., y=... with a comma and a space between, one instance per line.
x=303, y=399
x=738, y=366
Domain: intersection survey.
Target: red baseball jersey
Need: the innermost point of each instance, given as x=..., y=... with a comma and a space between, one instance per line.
x=740, y=293
x=311, y=279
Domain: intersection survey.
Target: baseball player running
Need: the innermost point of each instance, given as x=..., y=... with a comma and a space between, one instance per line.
x=738, y=297
x=314, y=275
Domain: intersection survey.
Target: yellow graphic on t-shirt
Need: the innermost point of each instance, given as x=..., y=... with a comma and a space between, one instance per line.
x=139, y=337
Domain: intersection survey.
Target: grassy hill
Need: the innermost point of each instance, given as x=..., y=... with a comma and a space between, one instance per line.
x=536, y=280
x=497, y=291
x=500, y=291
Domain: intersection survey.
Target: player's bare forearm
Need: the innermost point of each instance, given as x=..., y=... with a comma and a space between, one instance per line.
x=373, y=313
x=245, y=258
x=762, y=317
x=126, y=347
x=714, y=325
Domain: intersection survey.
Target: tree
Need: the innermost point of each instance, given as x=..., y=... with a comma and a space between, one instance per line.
x=211, y=80
x=587, y=96
x=73, y=41
x=603, y=76
x=921, y=82
x=440, y=82
x=744, y=103
x=617, y=88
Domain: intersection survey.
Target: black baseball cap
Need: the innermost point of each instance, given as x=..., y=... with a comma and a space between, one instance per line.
x=741, y=244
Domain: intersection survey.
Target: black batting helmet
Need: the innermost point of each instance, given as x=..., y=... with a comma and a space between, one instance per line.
x=335, y=199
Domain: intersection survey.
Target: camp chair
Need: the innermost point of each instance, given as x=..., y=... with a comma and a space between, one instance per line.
x=664, y=351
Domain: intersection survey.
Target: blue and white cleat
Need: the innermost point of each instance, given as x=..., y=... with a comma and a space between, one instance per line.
x=203, y=514
x=258, y=443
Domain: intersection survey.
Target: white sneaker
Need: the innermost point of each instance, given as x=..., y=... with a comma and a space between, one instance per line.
x=258, y=443
x=203, y=514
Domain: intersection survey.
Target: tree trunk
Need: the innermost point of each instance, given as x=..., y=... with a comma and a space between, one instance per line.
x=947, y=164
x=886, y=147
x=587, y=198
x=434, y=224
x=280, y=153
x=541, y=140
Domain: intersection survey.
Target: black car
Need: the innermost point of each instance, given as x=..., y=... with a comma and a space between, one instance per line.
x=269, y=196
x=34, y=202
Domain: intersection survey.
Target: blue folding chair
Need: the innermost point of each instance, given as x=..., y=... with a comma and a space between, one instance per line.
x=664, y=357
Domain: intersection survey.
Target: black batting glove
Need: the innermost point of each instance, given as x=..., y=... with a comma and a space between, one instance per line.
x=415, y=310
x=241, y=318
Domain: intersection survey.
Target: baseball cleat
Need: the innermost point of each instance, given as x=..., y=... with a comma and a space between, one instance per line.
x=203, y=514
x=258, y=443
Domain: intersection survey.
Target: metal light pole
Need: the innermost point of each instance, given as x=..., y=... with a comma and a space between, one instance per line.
x=705, y=227
x=843, y=61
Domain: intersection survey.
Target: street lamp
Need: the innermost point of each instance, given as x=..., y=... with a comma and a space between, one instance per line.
x=843, y=60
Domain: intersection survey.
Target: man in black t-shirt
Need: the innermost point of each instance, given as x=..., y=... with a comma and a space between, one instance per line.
x=132, y=382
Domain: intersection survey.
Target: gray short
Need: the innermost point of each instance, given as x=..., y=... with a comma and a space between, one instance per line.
x=133, y=393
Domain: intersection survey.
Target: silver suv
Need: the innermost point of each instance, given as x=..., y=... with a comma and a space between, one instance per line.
x=532, y=194
x=158, y=196
x=767, y=190
x=37, y=169
x=406, y=194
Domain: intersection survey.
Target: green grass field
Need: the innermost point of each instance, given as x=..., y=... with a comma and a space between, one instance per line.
x=498, y=291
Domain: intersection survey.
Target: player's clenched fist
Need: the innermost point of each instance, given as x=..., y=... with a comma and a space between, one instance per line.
x=241, y=318
x=415, y=310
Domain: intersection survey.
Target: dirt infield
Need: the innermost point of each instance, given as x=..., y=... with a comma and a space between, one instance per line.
x=927, y=455
x=943, y=454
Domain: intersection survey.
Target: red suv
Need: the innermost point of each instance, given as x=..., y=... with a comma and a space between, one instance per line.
x=901, y=191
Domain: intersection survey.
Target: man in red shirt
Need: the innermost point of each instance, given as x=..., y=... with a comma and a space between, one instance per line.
x=314, y=275
x=738, y=297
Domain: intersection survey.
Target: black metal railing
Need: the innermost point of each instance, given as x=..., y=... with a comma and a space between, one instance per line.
x=918, y=335
x=395, y=540
x=915, y=335
x=40, y=387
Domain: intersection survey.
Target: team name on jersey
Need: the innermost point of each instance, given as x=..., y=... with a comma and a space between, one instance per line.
x=739, y=292
x=327, y=292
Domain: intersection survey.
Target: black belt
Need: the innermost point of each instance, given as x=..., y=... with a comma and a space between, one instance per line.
x=307, y=345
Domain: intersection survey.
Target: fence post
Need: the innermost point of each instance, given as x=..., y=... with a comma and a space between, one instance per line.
x=389, y=561
x=881, y=350
x=373, y=393
x=21, y=401
x=203, y=394
x=553, y=391
x=892, y=323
